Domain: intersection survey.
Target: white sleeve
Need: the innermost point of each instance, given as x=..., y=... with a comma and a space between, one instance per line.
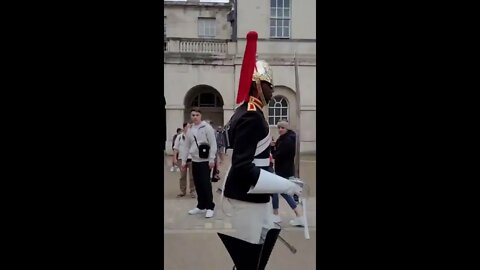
x=213, y=143
x=186, y=147
x=269, y=183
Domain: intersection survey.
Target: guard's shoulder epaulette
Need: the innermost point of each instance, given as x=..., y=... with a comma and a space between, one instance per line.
x=251, y=107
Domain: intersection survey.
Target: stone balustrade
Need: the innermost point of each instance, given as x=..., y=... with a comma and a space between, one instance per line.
x=208, y=46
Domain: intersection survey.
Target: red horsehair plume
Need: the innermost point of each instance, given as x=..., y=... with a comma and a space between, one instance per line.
x=248, y=66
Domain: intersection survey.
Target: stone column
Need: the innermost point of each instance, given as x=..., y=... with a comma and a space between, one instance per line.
x=174, y=120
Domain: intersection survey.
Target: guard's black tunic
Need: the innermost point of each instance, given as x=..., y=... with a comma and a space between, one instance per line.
x=249, y=136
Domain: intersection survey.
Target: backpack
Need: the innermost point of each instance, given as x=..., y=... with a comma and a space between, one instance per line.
x=220, y=138
x=173, y=140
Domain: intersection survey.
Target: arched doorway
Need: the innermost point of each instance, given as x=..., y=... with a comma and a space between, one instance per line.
x=209, y=100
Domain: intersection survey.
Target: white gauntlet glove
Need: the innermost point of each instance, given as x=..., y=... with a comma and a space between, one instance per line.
x=295, y=189
x=269, y=183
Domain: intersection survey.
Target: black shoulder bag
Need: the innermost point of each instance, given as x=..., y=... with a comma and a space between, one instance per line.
x=203, y=149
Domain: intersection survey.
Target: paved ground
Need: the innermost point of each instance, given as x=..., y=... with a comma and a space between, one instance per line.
x=191, y=242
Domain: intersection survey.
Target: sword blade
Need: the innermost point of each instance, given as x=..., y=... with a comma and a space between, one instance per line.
x=306, y=232
x=297, y=95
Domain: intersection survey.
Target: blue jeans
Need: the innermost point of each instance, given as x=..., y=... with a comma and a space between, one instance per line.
x=288, y=198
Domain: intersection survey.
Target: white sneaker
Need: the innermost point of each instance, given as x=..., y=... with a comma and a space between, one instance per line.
x=178, y=169
x=209, y=213
x=297, y=222
x=195, y=211
x=172, y=169
x=277, y=219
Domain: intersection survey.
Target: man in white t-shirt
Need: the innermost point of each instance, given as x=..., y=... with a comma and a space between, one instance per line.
x=178, y=149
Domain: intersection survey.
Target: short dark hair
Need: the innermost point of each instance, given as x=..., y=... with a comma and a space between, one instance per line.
x=179, y=129
x=196, y=110
x=185, y=124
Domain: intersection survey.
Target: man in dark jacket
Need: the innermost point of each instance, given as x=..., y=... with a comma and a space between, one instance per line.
x=283, y=152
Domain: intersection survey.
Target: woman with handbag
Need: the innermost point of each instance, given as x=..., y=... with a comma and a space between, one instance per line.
x=201, y=144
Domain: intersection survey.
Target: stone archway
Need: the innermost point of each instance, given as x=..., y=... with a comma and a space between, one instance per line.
x=208, y=99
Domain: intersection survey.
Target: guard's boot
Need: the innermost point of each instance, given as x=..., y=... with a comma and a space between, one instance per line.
x=268, y=244
x=245, y=255
x=248, y=256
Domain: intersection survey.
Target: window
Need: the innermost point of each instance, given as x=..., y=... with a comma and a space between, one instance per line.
x=207, y=100
x=206, y=27
x=277, y=110
x=280, y=18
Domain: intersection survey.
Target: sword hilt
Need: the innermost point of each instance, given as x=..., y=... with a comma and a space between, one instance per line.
x=300, y=183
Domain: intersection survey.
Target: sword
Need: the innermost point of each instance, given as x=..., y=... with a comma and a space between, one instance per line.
x=297, y=95
x=303, y=200
x=288, y=245
x=297, y=148
x=306, y=232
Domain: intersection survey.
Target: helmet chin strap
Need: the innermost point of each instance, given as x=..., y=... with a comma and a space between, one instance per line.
x=260, y=92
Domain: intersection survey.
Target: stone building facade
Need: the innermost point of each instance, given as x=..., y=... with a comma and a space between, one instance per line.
x=203, y=51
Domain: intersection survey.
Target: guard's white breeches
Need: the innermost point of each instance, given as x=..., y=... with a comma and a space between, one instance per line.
x=251, y=220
